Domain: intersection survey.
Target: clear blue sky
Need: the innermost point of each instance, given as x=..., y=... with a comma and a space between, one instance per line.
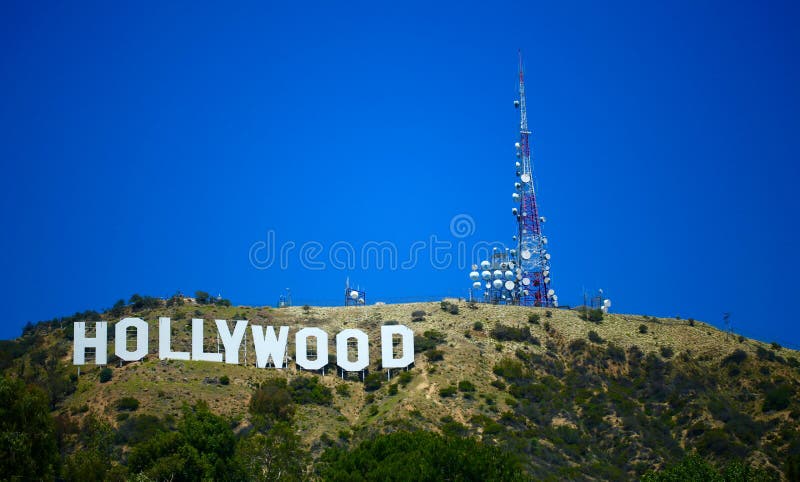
x=146, y=146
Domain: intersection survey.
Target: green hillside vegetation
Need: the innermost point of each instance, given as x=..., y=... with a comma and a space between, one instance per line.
x=496, y=392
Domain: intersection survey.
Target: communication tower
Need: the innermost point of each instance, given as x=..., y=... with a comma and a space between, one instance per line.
x=521, y=275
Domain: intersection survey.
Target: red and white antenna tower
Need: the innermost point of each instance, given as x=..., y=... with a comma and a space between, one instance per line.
x=521, y=275
x=534, y=260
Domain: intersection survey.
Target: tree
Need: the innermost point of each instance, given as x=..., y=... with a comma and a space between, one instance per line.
x=105, y=374
x=203, y=448
x=419, y=456
x=272, y=402
x=276, y=455
x=201, y=297
x=118, y=309
x=28, y=448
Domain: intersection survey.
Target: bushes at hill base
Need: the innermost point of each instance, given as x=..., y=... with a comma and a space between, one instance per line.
x=28, y=448
x=202, y=448
x=105, y=374
x=418, y=456
x=694, y=468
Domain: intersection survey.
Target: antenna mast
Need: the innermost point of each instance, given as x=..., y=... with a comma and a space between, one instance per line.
x=533, y=256
x=521, y=275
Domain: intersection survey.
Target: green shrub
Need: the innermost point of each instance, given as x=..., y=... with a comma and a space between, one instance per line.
x=434, y=355
x=509, y=333
x=272, y=400
x=417, y=316
x=373, y=381
x=642, y=329
x=105, y=374
x=775, y=345
x=510, y=369
x=548, y=314
x=466, y=386
x=308, y=390
x=534, y=318
x=405, y=378
x=477, y=326
x=127, y=403
x=667, y=352
x=393, y=389
x=343, y=390
x=498, y=384
x=615, y=353
x=595, y=338
x=224, y=380
x=449, y=307
x=577, y=345
x=737, y=357
x=764, y=354
x=448, y=391
x=777, y=398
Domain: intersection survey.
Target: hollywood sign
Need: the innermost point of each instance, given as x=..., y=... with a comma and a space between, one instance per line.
x=268, y=345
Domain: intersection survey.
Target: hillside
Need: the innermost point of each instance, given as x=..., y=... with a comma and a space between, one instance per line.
x=575, y=399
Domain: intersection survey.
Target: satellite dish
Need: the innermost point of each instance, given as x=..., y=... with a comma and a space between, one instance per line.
x=526, y=281
x=547, y=280
x=515, y=197
x=497, y=284
x=511, y=265
x=474, y=267
x=555, y=304
x=509, y=285
x=498, y=274
x=544, y=240
x=526, y=254
x=551, y=292
x=525, y=292
x=361, y=300
x=516, y=144
x=354, y=294
x=485, y=264
x=514, y=211
x=546, y=273
x=517, y=165
x=514, y=237
x=547, y=256
x=474, y=276
x=607, y=303
x=526, y=177
x=517, y=185
x=486, y=274
x=509, y=274
x=516, y=103
x=555, y=297
x=476, y=285
x=542, y=219
x=488, y=285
